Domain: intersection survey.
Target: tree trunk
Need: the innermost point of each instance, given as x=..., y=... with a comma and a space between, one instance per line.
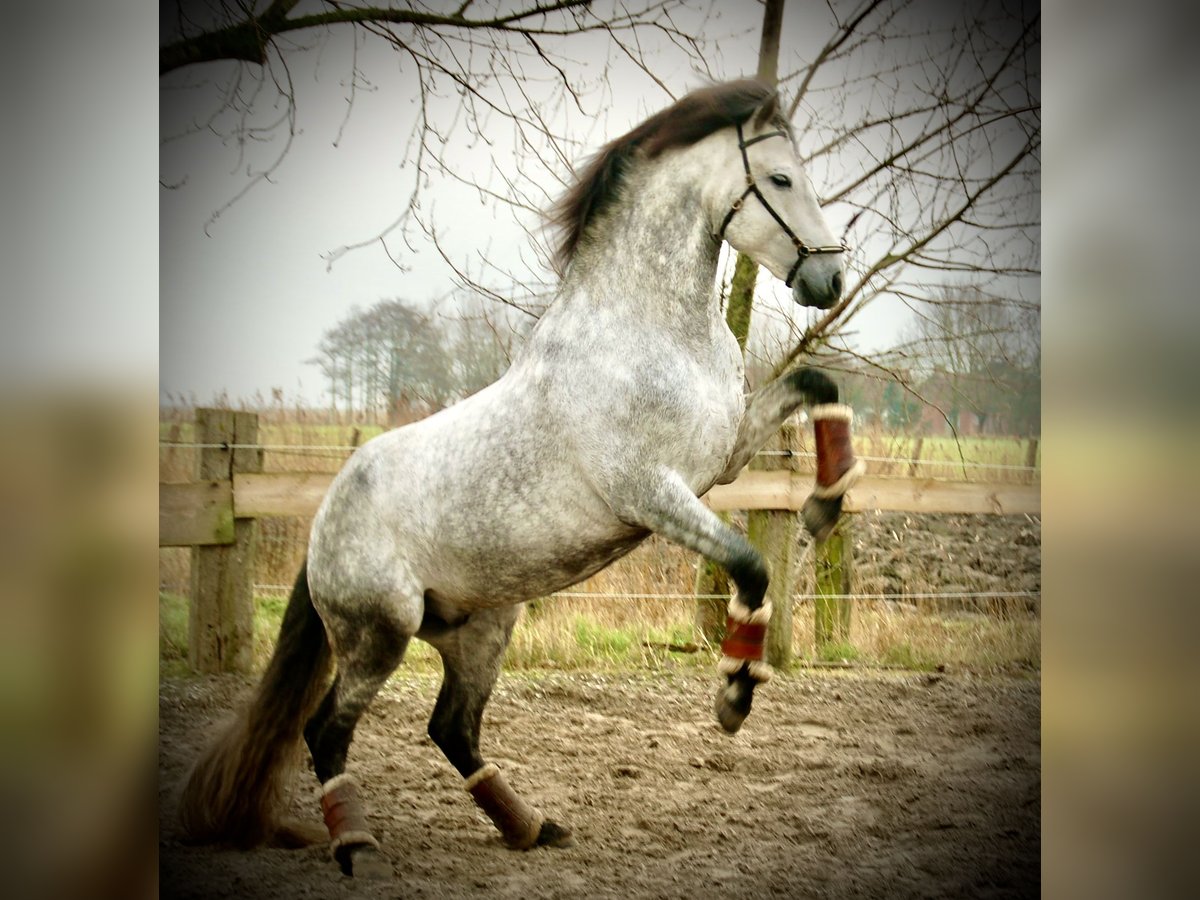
x=711, y=579
x=832, y=607
x=768, y=49
x=773, y=533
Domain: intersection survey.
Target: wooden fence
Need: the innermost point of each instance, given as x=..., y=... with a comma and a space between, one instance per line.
x=216, y=516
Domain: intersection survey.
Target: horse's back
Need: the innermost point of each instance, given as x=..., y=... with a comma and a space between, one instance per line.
x=482, y=503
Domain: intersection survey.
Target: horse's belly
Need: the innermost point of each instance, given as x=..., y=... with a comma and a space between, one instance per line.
x=514, y=570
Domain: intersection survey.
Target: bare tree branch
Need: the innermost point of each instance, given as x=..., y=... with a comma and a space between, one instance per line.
x=250, y=38
x=839, y=38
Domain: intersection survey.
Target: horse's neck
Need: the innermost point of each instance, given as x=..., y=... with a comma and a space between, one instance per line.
x=650, y=257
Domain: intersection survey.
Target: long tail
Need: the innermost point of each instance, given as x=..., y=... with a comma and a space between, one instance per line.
x=234, y=792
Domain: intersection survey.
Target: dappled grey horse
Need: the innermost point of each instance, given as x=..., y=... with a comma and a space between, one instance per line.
x=624, y=407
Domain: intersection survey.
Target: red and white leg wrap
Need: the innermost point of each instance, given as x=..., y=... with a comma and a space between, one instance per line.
x=519, y=823
x=344, y=815
x=745, y=635
x=837, y=468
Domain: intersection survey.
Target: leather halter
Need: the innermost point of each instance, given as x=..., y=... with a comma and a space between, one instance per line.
x=803, y=250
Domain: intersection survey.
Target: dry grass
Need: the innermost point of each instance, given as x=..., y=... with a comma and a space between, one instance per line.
x=619, y=633
x=604, y=634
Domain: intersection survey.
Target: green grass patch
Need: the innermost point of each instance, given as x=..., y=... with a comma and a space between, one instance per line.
x=906, y=657
x=173, y=634
x=677, y=635
x=942, y=457
x=838, y=652
x=268, y=614
x=608, y=643
x=602, y=637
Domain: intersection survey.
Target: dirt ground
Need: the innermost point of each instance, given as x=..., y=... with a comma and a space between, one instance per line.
x=840, y=784
x=898, y=553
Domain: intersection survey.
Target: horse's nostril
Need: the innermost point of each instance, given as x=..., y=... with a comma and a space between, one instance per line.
x=836, y=284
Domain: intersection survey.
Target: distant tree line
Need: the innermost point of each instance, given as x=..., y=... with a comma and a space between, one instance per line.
x=997, y=398
x=395, y=361
x=970, y=364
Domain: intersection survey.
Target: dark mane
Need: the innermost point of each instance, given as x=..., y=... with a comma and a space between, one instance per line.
x=690, y=119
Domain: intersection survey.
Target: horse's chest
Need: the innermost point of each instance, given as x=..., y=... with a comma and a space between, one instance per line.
x=710, y=436
x=646, y=405
x=716, y=414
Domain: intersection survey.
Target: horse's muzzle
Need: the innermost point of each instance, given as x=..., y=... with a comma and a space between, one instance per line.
x=819, y=282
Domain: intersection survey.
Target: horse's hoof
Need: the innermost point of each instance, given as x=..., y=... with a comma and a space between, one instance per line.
x=366, y=863
x=362, y=860
x=730, y=712
x=820, y=515
x=555, y=835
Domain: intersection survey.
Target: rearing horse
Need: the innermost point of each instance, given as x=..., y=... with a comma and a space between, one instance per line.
x=624, y=407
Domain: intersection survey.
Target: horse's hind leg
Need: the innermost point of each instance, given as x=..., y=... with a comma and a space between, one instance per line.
x=664, y=504
x=471, y=653
x=369, y=641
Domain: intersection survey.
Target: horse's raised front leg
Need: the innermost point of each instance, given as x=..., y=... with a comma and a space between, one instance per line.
x=837, y=469
x=471, y=653
x=664, y=504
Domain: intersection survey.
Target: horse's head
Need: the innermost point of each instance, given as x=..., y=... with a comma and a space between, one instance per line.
x=767, y=209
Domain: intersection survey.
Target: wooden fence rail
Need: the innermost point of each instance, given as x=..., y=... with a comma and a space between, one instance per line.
x=219, y=509
x=201, y=513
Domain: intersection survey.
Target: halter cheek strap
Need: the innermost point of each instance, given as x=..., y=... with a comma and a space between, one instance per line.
x=803, y=250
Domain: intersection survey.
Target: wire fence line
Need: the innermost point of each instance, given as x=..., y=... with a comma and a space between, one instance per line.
x=274, y=448
x=284, y=589
x=906, y=459
x=947, y=595
x=324, y=450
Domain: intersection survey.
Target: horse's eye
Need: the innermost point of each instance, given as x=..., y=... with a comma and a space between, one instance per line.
x=781, y=181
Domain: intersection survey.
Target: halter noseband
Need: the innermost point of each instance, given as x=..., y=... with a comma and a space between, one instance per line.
x=803, y=250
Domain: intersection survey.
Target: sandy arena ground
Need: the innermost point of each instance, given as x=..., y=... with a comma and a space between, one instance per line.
x=840, y=784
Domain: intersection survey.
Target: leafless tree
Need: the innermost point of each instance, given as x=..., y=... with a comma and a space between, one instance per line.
x=964, y=329
x=395, y=359
x=922, y=123
x=485, y=73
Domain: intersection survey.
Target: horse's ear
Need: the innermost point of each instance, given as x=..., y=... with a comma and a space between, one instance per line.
x=767, y=112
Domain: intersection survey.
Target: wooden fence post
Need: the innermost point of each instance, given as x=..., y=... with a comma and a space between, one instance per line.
x=773, y=534
x=221, y=616
x=712, y=582
x=914, y=465
x=1031, y=453
x=832, y=608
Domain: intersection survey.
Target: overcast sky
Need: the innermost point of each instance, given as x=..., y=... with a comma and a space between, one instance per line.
x=245, y=298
